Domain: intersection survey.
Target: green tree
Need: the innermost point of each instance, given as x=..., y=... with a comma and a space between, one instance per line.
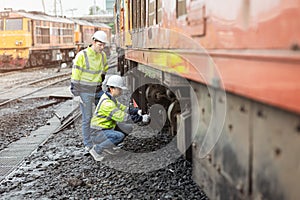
x=112, y=25
x=91, y=10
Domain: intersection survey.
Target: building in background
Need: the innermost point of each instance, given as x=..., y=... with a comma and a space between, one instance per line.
x=103, y=7
x=110, y=6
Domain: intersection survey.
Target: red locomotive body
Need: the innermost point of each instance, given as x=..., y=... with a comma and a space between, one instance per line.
x=241, y=60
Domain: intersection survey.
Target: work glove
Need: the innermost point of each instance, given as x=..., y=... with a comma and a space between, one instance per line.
x=139, y=112
x=146, y=118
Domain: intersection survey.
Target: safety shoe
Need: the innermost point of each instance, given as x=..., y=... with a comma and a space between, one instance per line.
x=111, y=151
x=86, y=151
x=96, y=156
x=118, y=147
x=87, y=148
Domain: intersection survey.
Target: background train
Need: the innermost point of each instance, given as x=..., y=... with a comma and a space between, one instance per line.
x=30, y=39
x=224, y=76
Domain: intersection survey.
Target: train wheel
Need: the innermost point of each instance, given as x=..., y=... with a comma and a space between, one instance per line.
x=33, y=61
x=158, y=116
x=27, y=65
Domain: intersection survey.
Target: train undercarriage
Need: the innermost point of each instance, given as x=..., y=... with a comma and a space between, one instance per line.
x=36, y=58
x=50, y=57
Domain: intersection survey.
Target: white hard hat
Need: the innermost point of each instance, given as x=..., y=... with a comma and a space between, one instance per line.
x=116, y=81
x=101, y=36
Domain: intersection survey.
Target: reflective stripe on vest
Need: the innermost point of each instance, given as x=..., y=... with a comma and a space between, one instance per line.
x=109, y=117
x=88, y=77
x=87, y=63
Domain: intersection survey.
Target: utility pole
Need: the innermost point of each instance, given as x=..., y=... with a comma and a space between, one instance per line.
x=55, y=8
x=72, y=10
x=44, y=6
x=61, y=9
x=55, y=12
x=94, y=12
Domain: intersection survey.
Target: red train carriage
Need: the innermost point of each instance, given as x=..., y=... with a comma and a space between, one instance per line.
x=238, y=62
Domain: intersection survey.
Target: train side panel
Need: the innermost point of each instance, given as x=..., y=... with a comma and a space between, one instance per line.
x=53, y=40
x=250, y=49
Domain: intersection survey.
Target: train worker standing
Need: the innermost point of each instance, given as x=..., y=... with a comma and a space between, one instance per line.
x=109, y=121
x=88, y=73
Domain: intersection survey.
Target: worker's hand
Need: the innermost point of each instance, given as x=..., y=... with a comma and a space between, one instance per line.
x=139, y=112
x=146, y=118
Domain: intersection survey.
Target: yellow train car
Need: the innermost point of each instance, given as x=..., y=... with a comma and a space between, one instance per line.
x=15, y=40
x=30, y=39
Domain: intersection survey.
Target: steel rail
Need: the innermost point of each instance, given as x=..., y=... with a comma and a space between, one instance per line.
x=32, y=92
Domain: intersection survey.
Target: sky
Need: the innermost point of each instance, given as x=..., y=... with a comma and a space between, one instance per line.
x=79, y=7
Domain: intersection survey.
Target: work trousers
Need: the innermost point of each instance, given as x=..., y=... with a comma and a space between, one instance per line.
x=104, y=139
x=86, y=107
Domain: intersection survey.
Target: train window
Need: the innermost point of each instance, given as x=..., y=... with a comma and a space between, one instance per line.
x=155, y=12
x=55, y=31
x=143, y=13
x=1, y=25
x=29, y=26
x=152, y=12
x=134, y=20
x=138, y=14
x=14, y=24
x=180, y=8
x=159, y=11
x=43, y=35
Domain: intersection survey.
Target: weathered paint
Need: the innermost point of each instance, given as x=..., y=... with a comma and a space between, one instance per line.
x=249, y=48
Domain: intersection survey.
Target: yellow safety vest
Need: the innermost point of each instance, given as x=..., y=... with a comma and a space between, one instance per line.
x=108, y=112
x=87, y=69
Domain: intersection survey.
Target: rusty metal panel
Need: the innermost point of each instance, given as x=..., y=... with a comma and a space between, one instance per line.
x=196, y=19
x=230, y=157
x=223, y=172
x=276, y=147
x=202, y=168
x=203, y=175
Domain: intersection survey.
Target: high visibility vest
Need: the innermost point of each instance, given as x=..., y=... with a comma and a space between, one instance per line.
x=108, y=112
x=88, y=67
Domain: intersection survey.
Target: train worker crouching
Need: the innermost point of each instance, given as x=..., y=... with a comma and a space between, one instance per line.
x=109, y=121
x=88, y=73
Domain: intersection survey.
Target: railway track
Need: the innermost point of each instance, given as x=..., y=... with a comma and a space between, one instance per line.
x=46, y=80
x=35, y=82
x=31, y=92
x=21, y=78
